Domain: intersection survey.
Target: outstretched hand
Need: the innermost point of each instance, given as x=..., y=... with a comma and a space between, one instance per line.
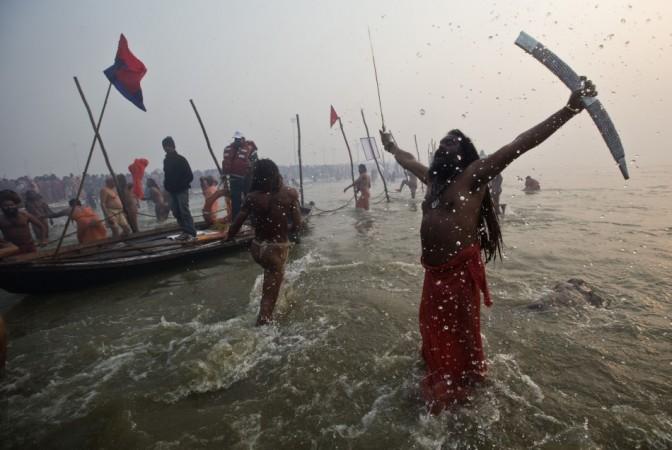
x=388, y=141
x=587, y=89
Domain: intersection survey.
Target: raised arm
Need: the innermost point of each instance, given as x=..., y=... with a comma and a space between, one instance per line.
x=404, y=158
x=483, y=170
x=295, y=211
x=62, y=213
x=37, y=224
x=240, y=218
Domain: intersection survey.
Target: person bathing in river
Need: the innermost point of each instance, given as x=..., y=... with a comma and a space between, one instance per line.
x=89, y=226
x=270, y=204
x=411, y=181
x=14, y=223
x=458, y=224
x=154, y=194
x=362, y=185
x=36, y=206
x=113, y=209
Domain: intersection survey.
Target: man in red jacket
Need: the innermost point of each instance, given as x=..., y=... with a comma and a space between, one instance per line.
x=239, y=159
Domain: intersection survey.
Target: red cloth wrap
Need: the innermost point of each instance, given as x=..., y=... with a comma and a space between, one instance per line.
x=450, y=325
x=137, y=170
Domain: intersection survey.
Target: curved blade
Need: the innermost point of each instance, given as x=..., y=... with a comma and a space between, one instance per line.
x=573, y=82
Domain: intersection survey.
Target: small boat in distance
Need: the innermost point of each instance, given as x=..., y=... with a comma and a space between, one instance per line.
x=114, y=259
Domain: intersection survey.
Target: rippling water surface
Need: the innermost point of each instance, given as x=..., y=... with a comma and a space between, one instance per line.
x=173, y=360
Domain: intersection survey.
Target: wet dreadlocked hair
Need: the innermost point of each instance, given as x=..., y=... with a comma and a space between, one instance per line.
x=265, y=177
x=489, y=231
x=8, y=194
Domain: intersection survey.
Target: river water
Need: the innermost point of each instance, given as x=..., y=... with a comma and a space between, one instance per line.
x=173, y=361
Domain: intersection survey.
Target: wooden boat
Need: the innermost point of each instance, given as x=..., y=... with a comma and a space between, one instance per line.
x=114, y=259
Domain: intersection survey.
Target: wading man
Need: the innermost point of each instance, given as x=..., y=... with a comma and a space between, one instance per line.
x=271, y=205
x=362, y=186
x=458, y=223
x=14, y=223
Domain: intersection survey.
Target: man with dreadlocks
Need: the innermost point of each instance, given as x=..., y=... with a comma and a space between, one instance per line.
x=458, y=223
x=269, y=204
x=14, y=223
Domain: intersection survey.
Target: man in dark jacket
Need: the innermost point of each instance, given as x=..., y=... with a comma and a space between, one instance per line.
x=177, y=179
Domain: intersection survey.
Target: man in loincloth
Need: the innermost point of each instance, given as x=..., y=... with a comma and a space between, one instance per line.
x=459, y=223
x=113, y=209
x=15, y=224
x=362, y=186
x=269, y=204
x=411, y=181
x=154, y=194
x=36, y=206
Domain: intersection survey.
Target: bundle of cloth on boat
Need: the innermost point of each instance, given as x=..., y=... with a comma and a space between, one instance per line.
x=137, y=170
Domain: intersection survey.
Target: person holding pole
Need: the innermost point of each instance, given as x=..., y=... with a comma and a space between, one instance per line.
x=459, y=223
x=177, y=181
x=239, y=159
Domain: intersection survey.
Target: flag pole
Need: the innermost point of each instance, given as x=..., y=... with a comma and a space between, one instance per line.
x=417, y=152
x=102, y=148
x=298, y=129
x=352, y=166
x=373, y=152
x=207, y=140
x=86, y=169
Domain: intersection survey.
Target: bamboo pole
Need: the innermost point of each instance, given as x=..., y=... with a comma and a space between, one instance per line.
x=375, y=158
x=352, y=166
x=86, y=168
x=417, y=152
x=298, y=129
x=102, y=147
x=207, y=140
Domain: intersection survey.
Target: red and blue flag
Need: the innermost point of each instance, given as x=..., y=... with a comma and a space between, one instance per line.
x=126, y=72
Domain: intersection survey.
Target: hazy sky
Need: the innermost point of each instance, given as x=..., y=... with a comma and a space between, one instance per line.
x=252, y=65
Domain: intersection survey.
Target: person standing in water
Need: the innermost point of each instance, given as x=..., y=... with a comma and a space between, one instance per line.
x=362, y=186
x=14, y=223
x=531, y=185
x=459, y=223
x=269, y=204
x=411, y=181
x=113, y=209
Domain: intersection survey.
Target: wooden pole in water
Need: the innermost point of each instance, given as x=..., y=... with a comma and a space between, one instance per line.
x=102, y=148
x=207, y=140
x=417, y=152
x=298, y=129
x=352, y=166
x=86, y=169
x=373, y=152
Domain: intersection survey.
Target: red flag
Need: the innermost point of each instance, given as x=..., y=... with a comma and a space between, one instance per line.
x=126, y=72
x=333, y=118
